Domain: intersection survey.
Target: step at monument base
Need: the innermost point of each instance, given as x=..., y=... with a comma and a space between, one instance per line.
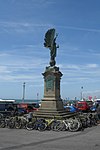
x=50, y=113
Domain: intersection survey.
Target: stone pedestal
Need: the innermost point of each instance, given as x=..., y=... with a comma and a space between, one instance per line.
x=52, y=99
x=51, y=104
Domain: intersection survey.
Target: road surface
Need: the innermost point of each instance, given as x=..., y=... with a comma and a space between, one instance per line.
x=21, y=139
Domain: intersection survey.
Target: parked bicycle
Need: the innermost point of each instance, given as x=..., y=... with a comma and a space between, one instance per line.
x=35, y=124
x=49, y=124
x=21, y=122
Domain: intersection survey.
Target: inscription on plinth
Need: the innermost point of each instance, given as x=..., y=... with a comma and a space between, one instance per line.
x=49, y=81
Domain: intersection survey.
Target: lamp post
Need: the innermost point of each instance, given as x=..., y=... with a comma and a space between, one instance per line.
x=81, y=92
x=23, y=98
x=37, y=97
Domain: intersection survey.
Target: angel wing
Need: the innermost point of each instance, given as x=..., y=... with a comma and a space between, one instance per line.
x=49, y=38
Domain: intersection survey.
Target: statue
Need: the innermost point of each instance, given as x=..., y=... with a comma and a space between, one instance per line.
x=50, y=42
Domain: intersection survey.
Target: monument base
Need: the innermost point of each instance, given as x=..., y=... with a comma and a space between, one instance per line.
x=52, y=108
x=60, y=115
x=52, y=104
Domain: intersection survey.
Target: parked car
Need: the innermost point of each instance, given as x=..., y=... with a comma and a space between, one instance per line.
x=90, y=103
x=21, y=110
x=31, y=109
x=93, y=108
x=83, y=106
x=71, y=108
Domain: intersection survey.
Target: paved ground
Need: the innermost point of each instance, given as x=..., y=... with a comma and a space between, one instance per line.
x=21, y=139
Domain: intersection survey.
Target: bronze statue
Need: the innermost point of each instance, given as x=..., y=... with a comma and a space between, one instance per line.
x=50, y=43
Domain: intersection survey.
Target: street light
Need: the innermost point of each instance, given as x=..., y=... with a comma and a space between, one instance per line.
x=37, y=97
x=81, y=92
x=23, y=98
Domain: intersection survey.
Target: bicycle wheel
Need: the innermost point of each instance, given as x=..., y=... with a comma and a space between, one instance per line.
x=30, y=126
x=60, y=126
x=1, y=116
x=11, y=123
x=2, y=124
x=53, y=124
x=74, y=126
x=42, y=127
x=18, y=124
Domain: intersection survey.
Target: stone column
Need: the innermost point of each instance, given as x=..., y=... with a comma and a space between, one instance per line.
x=52, y=99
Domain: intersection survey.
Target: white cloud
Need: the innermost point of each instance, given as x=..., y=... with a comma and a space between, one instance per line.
x=79, y=28
x=92, y=66
x=87, y=73
x=79, y=66
x=72, y=66
x=4, y=70
x=23, y=26
x=2, y=54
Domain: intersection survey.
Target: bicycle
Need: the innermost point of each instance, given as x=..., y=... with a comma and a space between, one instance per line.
x=74, y=124
x=20, y=122
x=71, y=124
x=48, y=124
x=35, y=124
x=61, y=125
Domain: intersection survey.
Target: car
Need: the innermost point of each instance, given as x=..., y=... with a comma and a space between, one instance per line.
x=83, y=106
x=21, y=110
x=71, y=108
x=93, y=108
x=90, y=103
x=31, y=109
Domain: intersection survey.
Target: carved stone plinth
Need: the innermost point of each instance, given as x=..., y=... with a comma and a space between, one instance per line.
x=51, y=104
x=52, y=99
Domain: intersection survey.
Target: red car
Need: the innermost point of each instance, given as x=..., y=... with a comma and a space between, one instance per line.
x=31, y=109
x=27, y=107
x=83, y=106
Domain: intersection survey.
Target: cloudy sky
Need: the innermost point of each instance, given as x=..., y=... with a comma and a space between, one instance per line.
x=23, y=57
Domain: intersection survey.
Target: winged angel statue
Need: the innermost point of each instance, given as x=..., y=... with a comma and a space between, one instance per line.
x=50, y=43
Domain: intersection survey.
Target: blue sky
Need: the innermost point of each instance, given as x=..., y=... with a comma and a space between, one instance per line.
x=23, y=57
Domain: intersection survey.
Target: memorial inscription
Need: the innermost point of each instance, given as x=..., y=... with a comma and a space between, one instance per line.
x=50, y=82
